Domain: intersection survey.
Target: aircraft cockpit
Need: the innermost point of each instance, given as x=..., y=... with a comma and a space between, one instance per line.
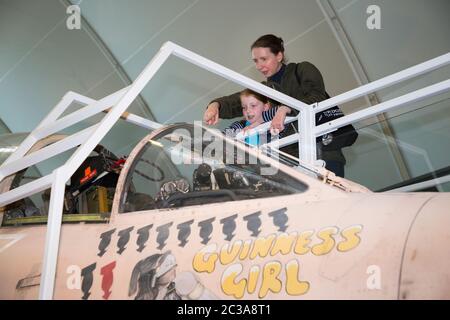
x=185, y=165
x=88, y=194
x=177, y=166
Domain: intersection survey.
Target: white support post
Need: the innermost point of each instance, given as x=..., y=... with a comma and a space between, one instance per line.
x=307, y=142
x=53, y=234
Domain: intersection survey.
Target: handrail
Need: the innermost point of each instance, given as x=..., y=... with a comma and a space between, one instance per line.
x=379, y=84
x=47, y=152
x=411, y=97
x=262, y=128
x=416, y=183
x=423, y=185
x=26, y=190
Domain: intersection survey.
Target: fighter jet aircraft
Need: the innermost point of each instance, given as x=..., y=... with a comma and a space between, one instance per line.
x=191, y=214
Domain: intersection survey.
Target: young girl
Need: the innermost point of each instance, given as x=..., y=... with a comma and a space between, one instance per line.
x=253, y=106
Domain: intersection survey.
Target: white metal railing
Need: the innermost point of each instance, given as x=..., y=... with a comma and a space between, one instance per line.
x=435, y=182
x=316, y=131
x=392, y=104
x=118, y=102
x=415, y=71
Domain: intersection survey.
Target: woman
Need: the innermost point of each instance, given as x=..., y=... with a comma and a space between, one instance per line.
x=302, y=81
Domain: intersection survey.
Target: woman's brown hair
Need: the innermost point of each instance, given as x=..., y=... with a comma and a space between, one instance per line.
x=274, y=43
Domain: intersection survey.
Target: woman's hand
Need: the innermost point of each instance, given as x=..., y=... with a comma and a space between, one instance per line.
x=277, y=124
x=211, y=115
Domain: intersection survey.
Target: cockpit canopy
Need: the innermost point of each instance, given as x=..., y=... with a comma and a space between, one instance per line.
x=186, y=165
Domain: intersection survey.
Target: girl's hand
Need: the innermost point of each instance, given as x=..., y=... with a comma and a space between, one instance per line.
x=277, y=124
